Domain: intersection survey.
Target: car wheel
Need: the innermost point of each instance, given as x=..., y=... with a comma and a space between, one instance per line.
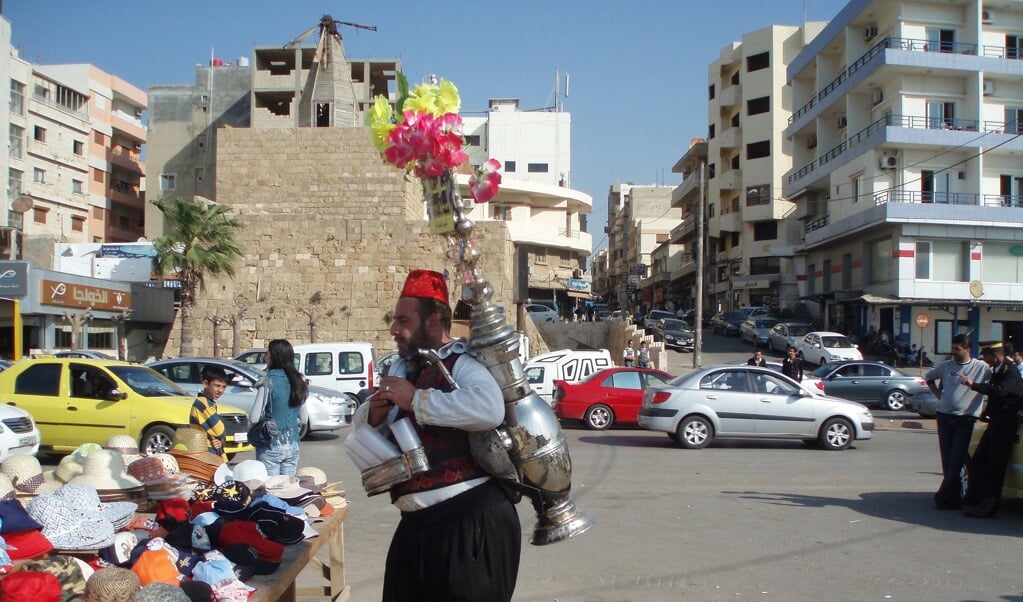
x=836, y=434
x=599, y=417
x=895, y=400
x=303, y=430
x=157, y=440
x=694, y=432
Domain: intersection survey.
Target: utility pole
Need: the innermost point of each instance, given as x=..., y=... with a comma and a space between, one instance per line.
x=698, y=334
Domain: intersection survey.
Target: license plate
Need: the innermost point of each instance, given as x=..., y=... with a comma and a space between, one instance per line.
x=27, y=441
x=241, y=437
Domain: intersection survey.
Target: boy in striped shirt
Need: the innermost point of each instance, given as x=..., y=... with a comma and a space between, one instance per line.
x=204, y=409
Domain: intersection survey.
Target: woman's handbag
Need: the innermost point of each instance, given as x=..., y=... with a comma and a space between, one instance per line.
x=264, y=431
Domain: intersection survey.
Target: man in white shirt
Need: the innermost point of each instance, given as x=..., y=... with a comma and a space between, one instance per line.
x=455, y=502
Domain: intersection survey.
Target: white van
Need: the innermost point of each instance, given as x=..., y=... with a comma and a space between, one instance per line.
x=566, y=364
x=344, y=367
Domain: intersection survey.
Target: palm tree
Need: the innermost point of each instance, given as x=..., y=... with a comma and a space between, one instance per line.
x=200, y=243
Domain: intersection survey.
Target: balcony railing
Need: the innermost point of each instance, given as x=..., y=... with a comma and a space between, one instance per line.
x=947, y=198
x=910, y=44
x=838, y=150
x=817, y=224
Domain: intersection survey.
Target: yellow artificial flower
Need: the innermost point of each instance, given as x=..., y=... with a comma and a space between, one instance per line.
x=423, y=98
x=447, y=98
x=381, y=121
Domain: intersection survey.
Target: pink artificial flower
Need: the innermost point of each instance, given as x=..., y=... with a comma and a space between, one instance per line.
x=486, y=182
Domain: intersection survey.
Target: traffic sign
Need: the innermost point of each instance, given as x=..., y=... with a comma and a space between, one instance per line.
x=923, y=321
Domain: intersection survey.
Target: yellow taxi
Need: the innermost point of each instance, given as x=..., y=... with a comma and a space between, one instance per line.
x=76, y=401
x=1013, y=486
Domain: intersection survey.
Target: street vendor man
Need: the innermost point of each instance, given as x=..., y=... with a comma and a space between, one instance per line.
x=459, y=536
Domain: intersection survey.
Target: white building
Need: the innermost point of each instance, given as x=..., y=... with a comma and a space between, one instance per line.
x=907, y=171
x=543, y=213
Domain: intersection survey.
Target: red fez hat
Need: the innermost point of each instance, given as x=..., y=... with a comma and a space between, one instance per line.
x=425, y=284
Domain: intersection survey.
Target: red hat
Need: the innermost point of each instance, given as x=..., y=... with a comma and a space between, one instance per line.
x=26, y=544
x=30, y=586
x=244, y=531
x=425, y=284
x=174, y=509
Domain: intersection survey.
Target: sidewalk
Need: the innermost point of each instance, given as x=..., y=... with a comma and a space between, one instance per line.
x=903, y=421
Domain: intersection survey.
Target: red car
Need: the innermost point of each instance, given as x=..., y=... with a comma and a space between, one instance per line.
x=606, y=397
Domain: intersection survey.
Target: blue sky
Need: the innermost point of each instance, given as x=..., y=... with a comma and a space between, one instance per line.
x=638, y=68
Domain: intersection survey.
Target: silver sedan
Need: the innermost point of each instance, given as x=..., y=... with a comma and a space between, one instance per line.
x=750, y=402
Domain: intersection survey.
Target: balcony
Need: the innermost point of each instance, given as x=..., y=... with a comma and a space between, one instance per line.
x=686, y=269
x=690, y=185
x=123, y=157
x=683, y=232
x=730, y=222
x=948, y=198
x=129, y=195
x=730, y=96
x=731, y=180
x=731, y=138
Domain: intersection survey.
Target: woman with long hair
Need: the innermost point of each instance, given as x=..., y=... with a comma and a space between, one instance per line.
x=287, y=393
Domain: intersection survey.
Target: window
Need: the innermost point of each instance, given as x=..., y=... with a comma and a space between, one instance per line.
x=472, y=140
x=855, y=182
x=14, y=177
x=923, y=260
x=166, y=181
x=98, y=175
x=77, y=223
x=98, y=137
x=1013, y=50
x=880, y=261
x=78, y=147
x=509, y=167
x=757, y=62
x=941, y=115
x=712, y=170
x=710, y=92
x=661, y=238
x=767, y=230
x=734, y=121
x=764, y=265
x=710, y=132
x=758, y=195
x=77, y=187
x=41, y=379
x=536, y=167
x=940, y=40
x=534, y=375
x=541, y=256
x=735, y=240
x=757, y=106
x=935, y=186
x=758, y=150
x=17, y=98
x=39, y=215
x=501, y=212
x=39, y=133
x=1014, y=120
x=734, y=80
x=623, y=380
x=39, y=175
x=319, y=363
x=350, y=362
x=14, y=140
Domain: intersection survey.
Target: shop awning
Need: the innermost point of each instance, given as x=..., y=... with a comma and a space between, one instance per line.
x=580, y=295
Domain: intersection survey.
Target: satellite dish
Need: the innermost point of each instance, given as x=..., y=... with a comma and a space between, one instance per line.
x=977, y=288
x=21, y=204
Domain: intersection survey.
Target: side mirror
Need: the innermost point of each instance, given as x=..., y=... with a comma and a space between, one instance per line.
x=116, y=394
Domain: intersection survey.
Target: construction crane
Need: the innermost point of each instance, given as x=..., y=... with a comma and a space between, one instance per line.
x=327, y=26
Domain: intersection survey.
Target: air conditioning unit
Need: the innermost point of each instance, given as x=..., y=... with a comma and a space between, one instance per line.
x=870, y=33
x=842, y=122
x=989, y=88
x=986, y=17
x=876, y=96
x=889, y=162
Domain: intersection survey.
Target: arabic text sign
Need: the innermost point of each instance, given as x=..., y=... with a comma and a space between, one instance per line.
x=68, y=294
x=13, y=278
x=579, y=285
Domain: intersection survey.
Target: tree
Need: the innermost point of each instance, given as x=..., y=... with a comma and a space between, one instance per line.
x=200, y=243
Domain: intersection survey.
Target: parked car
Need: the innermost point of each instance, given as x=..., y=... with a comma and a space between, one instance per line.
x=621, y=315
x=750, y=402
x=674, y=333
x=757, y=330
x=653, y=317
x=565, y=364
x=601, y=315
x=541, y=313
x=342, y=367
x=727, y=322
x=1012, y=488
x=606, y=398
x=84, y=353
x=750, y=312
x=326, y=409
x=76, y=401
x=870, y=383
x=18, y=433
x=822, y=347
x=253, y=357
x=786, y=334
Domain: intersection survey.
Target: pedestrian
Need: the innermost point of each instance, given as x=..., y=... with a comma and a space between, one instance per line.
x=757, y=359
x=643, y=355
x=987, y=465
x=459, y=537
x=629, y=354
x=287, y=393
x=589, y=312
x=204, y=409
x=792, y=366
x=1015, y=356
x=958, y=408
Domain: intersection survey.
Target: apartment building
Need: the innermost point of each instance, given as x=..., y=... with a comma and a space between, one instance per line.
x=750, y=240
x=687, y=198
x=541, y=210
x=640, y=218
x=907, y=172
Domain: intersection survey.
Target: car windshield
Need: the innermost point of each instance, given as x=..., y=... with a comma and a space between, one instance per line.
x=657, y=315
x=822, y=371
x=799, y=331
x=836, y=342
x=675, y=325
x=765, y=323
x=734, y=316
x=247, y=369
x=148, y=382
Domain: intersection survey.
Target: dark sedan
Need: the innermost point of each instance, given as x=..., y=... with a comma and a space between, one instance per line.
x=870, y=383
x=674, y=333
x=727, y=322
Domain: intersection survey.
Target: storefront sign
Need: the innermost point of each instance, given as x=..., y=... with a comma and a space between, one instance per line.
x=68, y=294
x=637, y=269
x=578, y=285
x=13, y=279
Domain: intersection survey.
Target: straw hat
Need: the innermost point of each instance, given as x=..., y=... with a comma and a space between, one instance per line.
x=201, y=465
x=193, y=439
x=161, y=482
x=7, y=491
x=104, y=469
x=112, y=584
x=25, y=472
x=73, y=464
x=124, y=445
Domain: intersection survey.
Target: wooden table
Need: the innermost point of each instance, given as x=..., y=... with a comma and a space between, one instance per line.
x=279, y=586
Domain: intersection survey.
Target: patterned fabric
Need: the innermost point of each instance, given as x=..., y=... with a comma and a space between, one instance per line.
x=204, y=414
x=447, y=448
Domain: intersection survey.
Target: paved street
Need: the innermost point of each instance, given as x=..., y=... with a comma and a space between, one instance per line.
x=738, y=520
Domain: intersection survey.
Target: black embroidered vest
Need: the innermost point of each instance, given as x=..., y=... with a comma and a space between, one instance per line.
x=447, y=448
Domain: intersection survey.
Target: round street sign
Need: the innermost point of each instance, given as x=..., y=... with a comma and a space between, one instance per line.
x=922, y=320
